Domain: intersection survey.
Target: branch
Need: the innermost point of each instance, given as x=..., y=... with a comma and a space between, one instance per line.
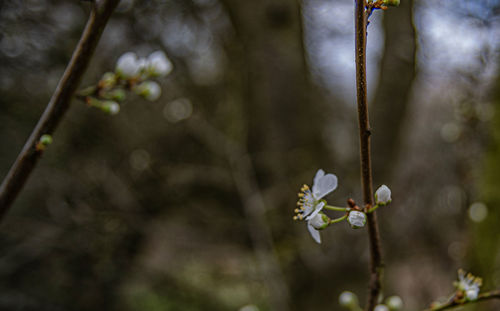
x=376, y=265
x=494, y=294
x=58, y=104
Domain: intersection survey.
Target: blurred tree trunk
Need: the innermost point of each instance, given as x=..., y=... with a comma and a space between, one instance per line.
x=276, y=91
x=279, y=114
x=397, y=72
x=485, y=248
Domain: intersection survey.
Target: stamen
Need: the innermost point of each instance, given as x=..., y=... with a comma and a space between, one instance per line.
x=295, y=218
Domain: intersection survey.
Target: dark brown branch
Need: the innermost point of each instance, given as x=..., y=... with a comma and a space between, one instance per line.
x=58, y=104
x=494, y=294
x=376, y=265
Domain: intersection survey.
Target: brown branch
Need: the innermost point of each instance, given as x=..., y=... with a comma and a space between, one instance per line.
x=376, y=265
x=58, y=104
x=494, y=294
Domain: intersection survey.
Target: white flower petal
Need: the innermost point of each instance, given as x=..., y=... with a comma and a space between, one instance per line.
x=324, y=186
x=314, y=233
x=320, y=173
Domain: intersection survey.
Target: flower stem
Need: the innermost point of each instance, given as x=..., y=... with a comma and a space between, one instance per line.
x=373, y=209
x=335, y=208
x=376, y=265
x=334, y=221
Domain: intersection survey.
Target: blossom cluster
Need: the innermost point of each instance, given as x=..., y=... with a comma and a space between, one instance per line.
x=132, y=73
x=468, y=286
x=311, y=205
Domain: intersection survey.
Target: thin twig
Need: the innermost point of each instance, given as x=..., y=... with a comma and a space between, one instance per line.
x=494, y=294
x=58, y=104
x=376, y=265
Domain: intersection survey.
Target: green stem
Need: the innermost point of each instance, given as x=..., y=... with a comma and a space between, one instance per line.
x=335, y=208
x=373, y=209
x=333, y=221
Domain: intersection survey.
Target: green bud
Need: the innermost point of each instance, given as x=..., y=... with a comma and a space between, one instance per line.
x=46, y=139
x=108, y=80
x=118, y=95
x=348, y=300
x=43, y=142
x=110, y=107
x=391, y=2
x=395, y=303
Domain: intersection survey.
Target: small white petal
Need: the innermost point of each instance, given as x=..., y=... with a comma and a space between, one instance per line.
x=320, y=173
x=324, y=186
x=472, y=294
x=314, y=233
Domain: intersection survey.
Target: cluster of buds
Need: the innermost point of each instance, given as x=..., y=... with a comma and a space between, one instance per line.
x=349, y=300
x=311, y=205
x=132, y=73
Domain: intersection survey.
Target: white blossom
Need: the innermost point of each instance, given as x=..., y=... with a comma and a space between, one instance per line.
x=383, y=195
x=309, y=204
x=469, y=284
x=158, y=64
x=381, y=308
x=129, y=66
x=357, y=219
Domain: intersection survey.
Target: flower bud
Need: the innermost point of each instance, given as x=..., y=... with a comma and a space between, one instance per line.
x=381, y=308
x=356, y=219
x=110, y=107
x=46, y=139
x=394, y=303
x=383, y=195
x=391, y=2
x=320, y=221
x=348, y=299
x=43, y=142
x=117, y=94
x=128, y=66
x=150, y=90
x=108, y=80
x=158, y=65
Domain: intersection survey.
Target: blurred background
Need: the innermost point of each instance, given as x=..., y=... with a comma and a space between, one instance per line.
x=186, y=203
